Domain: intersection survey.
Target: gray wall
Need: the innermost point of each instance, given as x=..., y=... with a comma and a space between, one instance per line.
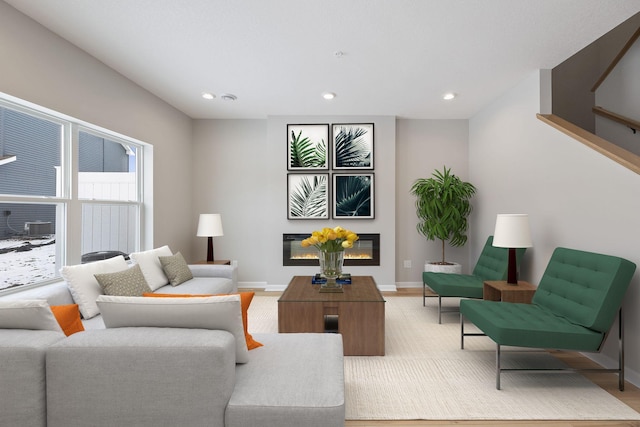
x=422, y=146
x=229, y=159
x=41, y=67
x=574, y=196
x=240, y=171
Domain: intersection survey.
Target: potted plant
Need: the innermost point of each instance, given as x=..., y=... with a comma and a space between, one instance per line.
x=443, y=206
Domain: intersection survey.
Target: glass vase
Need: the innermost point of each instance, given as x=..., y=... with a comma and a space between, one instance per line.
x=331, y=268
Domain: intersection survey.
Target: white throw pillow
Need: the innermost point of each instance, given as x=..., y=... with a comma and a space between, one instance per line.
x=83, y=285
x=28, y=314
x=149, y=263
x=216, y=312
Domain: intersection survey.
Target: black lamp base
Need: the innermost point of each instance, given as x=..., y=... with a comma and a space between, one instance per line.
x=210, y=249
x=512, y=269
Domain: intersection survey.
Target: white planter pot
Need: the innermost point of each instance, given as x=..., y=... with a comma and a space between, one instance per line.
x=453, y=268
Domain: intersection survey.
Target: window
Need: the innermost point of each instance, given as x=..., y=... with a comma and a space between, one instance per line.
x=69, y=191
x=107, y=172
x=27, y=243
x=35, y=144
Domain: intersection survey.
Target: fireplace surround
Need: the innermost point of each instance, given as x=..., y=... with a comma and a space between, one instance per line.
x=365, y=251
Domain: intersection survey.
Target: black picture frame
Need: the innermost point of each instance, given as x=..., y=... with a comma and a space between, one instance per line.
x=353, y=196
x=352, y=146
x=307, y=147
x=307, y=196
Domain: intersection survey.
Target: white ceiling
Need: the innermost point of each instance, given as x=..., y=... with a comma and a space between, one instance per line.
x=278, y=56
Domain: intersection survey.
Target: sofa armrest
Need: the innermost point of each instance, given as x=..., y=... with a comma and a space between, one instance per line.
x=22, y=376
x=144, y=377
x=215, y=270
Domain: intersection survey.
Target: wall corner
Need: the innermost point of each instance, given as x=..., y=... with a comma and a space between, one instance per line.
x=545, y=92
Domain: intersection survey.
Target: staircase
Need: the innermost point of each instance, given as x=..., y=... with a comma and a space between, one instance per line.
x=596, y=95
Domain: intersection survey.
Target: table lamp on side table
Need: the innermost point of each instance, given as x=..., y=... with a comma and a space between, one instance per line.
x=512, y=231
x=210, y=225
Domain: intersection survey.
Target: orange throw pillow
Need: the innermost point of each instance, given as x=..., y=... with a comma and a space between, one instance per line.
x=245, y=301
x=68, y=317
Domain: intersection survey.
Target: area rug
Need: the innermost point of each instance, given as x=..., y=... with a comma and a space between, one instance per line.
x=426, y=376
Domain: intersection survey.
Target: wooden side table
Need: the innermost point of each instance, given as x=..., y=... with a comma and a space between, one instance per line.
x=500, y=290
x=217, y=262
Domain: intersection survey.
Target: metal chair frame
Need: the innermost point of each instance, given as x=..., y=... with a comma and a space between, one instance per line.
x=440, y=310
x=619, y=370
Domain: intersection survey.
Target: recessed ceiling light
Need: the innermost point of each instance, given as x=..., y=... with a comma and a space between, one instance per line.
x=448, y=96
x=328, y=95
x=228, y=97
x=208, y=95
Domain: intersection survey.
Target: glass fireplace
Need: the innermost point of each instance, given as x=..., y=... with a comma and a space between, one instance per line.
x=365, y=251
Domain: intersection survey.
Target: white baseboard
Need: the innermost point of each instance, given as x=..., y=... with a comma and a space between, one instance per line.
x=611, y=363
x=409, y=284
x=252, y=285
x=280, y=288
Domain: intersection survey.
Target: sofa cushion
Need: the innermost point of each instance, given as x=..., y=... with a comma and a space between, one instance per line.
x=68, y=317
x=454, y=285
x=585, y=287
x=201, y=285
x=55, y=293
x=83, y=285
x=151, y=267
x=95, y=322
x=129, y=282
x=28, y=314
x=176, y=269
x=245, y=301
x=528, y=325
x=217, y=312
x=307, y=370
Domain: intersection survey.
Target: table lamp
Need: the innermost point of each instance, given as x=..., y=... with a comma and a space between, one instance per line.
x=210, y=225
x=512, y=231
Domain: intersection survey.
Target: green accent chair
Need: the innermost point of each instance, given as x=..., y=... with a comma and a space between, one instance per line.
x=492, y=265
x=573, y=308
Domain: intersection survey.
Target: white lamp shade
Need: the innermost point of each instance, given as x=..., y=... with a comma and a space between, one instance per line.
x=210, y=225
x=512, y=231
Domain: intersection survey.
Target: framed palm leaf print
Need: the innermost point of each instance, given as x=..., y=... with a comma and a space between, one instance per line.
x=308, y=196
x=353, y=196
x=352, y=146
x=308, y=147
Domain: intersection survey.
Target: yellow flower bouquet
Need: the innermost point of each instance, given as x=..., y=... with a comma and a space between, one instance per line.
x=331, y=239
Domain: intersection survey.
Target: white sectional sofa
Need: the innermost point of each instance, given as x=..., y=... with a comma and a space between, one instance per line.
x=162, y=375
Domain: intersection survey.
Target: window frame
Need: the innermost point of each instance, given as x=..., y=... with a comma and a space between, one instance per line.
x=68, y=205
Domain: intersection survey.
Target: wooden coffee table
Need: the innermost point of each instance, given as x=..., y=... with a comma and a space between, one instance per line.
x=357, y=313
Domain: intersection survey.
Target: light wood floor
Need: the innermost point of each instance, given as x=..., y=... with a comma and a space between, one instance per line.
x=609, y=382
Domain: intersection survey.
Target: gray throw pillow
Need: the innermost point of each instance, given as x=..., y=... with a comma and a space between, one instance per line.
x=129, y=282
x=176, y=268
